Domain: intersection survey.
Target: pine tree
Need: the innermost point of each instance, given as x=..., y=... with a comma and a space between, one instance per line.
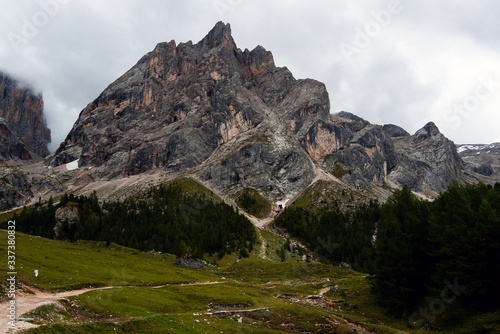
x=401, y=262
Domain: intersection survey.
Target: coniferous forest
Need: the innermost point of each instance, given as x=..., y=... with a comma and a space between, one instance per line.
x=163, y=219
x=415, y=250
x=335, y=235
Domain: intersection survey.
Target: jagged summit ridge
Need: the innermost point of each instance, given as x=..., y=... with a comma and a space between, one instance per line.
x=395, y=131
x=428, y=131
x=220, y=34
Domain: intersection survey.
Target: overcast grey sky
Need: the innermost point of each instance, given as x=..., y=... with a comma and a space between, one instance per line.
x=403, y=62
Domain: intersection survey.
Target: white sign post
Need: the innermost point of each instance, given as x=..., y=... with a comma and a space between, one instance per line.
x=36, y=275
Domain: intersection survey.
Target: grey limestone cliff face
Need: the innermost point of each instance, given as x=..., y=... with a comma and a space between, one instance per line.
x=11, y=147
x=14, y=185
x=368, y=157
x=427, y=160
x=22, y=111
x=23, y=140
x=15, y=188
x=207, y=103
x=363, y=154
x=395, y=131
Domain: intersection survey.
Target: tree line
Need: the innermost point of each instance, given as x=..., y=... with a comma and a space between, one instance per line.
x=414, y=249
x=333, y=234
x=162, y=219
x=448, y=249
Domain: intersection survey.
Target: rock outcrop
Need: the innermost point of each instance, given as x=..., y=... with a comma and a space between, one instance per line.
x=14, y=187
x=11, y=147
x=427, y=160
x=22, y=111
x=395, y=131
x=369, y=156
x=188, y=262
x=363, y=154
x=65, y=215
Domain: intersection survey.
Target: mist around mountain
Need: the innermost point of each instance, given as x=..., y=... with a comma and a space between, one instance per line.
x=216, y=155
x=233, y=120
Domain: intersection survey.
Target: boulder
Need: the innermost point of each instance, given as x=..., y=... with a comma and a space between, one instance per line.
x=189, y=262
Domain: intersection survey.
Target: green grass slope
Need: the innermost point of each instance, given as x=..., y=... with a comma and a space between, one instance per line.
x=192, y=187
x=253, y=203
x=278, y=291
x=68, y=266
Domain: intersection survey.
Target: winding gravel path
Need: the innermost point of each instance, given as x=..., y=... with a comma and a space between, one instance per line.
x=29, y=302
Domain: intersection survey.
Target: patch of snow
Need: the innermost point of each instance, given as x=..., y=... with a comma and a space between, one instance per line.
x=463, y=148
x=72, y=165
x=479, y=147
x=282, y=203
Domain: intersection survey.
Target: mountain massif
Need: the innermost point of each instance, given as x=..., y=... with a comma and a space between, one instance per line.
x=233, y=120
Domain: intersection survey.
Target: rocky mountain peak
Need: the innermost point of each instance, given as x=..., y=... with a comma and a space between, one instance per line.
x=219, y=35
x=259, y=61
x=429, y=130
x=429, y=161
x=209, y=109
x=395, y=131
x=216, y=55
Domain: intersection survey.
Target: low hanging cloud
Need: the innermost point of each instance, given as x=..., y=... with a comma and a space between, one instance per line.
x=402, y=62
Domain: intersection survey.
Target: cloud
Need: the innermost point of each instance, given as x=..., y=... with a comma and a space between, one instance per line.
x=415, y=66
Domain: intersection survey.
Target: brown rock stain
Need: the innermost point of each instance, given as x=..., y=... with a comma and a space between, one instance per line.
x=324, y=144
x=120, y=107
x=235, y=126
